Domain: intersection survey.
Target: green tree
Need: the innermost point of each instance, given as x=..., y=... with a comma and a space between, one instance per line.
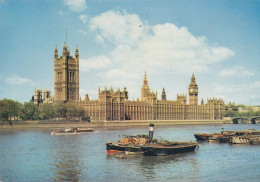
x=231, y=113
x=60, y=109
x=72, y=111
x=81, y=113
x=46, y=111
x=257, y=113
x=10, y=109
x=29, y=111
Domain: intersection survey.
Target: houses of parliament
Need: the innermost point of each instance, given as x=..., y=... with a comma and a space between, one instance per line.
x=113, y=105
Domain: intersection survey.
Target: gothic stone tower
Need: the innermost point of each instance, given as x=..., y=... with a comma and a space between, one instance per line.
x=66, y=75
x=163, y=95
x=193, y=91
x=145, y=91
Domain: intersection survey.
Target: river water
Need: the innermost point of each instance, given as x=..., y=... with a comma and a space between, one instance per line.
x=35, y=155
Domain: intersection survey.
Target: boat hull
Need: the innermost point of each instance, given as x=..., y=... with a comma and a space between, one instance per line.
x=115, y=147
x=133, y=149
x=255, y=142
x=202, y=136
x=69, y=133
x=167, y=150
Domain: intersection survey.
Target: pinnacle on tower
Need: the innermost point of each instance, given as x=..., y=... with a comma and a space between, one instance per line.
x=145, y=79
x=68, y=51
x=193, y=78
x=76, y=52
x=163, y=94
x=64, y=48
x=56, y=51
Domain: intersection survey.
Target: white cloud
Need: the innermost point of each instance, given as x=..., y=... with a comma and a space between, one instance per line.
x=139, y=45
x=235, y=71
x=83, y=18
x=169, y=54
x=76, y=5
x=97, y=62
x=16, y=80
x=119, y=74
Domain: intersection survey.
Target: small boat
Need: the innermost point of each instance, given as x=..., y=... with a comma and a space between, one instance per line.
x=203, y=136
x=168, y=148
x=72, y=131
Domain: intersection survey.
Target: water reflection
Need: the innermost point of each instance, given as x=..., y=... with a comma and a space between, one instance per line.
x=153, y=166
x=67, y=159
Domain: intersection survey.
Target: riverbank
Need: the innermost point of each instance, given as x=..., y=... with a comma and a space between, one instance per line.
x=113, y=124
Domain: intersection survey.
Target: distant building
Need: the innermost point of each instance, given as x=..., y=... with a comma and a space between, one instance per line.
x=114, y=105
x=40, y=97
x=231, y=106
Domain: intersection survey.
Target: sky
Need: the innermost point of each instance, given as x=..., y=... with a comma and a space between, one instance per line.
x=218, y=41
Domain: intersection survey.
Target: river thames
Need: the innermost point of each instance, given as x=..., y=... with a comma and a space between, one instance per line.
x=35, y=155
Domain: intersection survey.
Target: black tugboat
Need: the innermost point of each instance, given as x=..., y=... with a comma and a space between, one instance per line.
x=155, y=148
x=149, y=146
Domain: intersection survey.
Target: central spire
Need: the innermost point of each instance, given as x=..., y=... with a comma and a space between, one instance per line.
x=145, y=91
x=145, y=79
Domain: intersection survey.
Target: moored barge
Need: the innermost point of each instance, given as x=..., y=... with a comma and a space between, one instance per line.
x=168, y=148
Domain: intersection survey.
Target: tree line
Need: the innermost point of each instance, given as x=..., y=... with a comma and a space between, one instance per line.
x=250, y=113
x=14, y=110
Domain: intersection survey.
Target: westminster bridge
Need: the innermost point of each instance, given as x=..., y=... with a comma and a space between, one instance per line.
x=245, y=120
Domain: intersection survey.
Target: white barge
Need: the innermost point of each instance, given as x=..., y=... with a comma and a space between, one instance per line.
x=72, y=131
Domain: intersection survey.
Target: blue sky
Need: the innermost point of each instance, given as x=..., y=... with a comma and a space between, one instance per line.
x=118, y=40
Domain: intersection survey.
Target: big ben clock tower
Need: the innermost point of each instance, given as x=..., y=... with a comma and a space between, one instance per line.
x=193, y=91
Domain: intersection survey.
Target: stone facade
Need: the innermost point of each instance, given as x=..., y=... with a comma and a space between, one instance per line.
x=66, y=75
x=115, y=106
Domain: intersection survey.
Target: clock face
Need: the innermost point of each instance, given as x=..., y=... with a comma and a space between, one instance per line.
x=191, y=90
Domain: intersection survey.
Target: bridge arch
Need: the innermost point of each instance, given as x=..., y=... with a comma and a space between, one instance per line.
x=253, y=119
x=236, y=120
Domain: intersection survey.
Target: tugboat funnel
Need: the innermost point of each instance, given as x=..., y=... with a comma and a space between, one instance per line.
x=151, y=132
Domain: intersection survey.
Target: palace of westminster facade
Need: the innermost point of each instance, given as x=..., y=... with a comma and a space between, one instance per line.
x=115, y=106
